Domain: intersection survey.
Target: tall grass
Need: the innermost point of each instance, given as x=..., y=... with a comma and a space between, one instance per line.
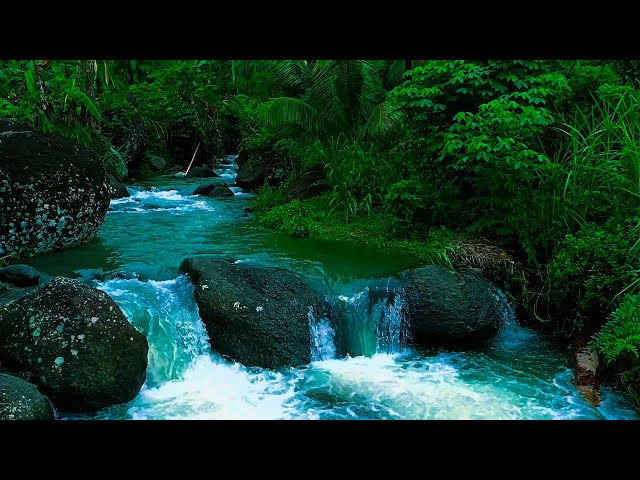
x=595, y=174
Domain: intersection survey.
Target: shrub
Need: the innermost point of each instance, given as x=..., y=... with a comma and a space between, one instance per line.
x=590, y=271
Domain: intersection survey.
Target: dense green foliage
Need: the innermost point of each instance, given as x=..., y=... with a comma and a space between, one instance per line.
x=540, y=158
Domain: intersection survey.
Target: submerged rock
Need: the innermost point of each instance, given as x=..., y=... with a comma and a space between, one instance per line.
x=53, y=192
x=450, y=308
x=221, y=192
x=204, y=189
x=77, y=343
x=256, y=315
x=20, y=275
x=118, y=190
x=21, y=400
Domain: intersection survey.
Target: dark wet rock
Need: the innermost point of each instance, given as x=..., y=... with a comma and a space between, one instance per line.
x=20, y=275
x=253, y=171
x=204, y=189
x=75, y=340
x=152, y=206
x=124, y=275
x=247, y=209
x=221, y=192
x=53, y=192
x=21, y=400
x=451, y=308
x=156, y=163
x=118, y=190
x=245, y=215
x=255, y=315
x=202, y=172
x=309, y=184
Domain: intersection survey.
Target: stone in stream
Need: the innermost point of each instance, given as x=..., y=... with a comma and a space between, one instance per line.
x=451, y=308
x=202, y=172
x=221, y=192
x=75, y=340
x=204, y=189
x=118, y=190
x=20, y=275
x=53, y=192
x=21, y=400
x=256, y=315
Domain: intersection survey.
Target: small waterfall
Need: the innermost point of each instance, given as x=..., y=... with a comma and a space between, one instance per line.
x=323, y=345
x=511, y=335
x=371, y=320
x=392, y=328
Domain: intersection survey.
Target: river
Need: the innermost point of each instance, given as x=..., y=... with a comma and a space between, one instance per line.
x=520, y=374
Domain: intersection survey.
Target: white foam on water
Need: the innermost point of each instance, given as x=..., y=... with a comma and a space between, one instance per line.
x=150, y=201
x=216, y=389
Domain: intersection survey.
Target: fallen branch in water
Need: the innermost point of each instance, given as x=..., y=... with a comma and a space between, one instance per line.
x=192, y=159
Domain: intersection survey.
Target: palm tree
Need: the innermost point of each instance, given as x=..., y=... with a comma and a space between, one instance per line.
x=336, y=96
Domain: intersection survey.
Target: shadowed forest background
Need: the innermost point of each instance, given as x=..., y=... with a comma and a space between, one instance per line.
x=529, y=170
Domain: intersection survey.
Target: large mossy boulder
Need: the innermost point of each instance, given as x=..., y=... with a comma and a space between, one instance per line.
x=256, y=315
x=75, y=340
x=21, y=400
x=451, y=308
x=53, y=192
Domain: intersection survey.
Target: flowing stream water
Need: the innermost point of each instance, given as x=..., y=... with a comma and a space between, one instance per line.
x=364, y=371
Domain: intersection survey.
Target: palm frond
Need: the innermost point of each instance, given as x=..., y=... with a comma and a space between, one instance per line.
x=382, y=119
x=292, y=74
x=287, y=110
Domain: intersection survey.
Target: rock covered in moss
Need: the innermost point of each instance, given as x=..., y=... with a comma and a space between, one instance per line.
x=53, y=192
x=75, y=340
x=21, y=400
